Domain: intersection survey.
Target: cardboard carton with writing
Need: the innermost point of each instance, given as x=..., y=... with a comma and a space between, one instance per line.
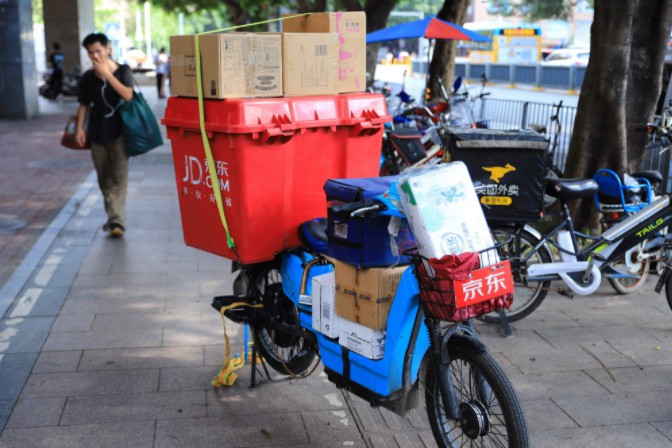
x=362, y=340
x=351, y=30
x=324, y=316
x=233, y=65
x=364, y=296
x=310, y=63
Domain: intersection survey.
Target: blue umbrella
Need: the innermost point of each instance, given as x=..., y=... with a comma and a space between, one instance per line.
x=431, y=28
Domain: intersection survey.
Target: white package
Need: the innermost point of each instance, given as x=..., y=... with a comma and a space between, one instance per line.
x=329, y=321
x=324, y=317
x=362, y=340
x=443, y=211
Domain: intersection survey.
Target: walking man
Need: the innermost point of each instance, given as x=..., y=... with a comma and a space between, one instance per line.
x=101, y=91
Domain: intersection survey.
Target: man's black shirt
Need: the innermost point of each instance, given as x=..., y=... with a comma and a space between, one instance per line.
x=104, y=120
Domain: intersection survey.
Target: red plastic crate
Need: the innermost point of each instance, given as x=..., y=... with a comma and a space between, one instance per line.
x=273, y=157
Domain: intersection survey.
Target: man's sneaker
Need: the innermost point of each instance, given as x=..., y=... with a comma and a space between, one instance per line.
x=106, y=227
x=116, y=230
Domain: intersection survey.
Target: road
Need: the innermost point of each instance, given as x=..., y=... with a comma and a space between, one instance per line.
x=415, y=86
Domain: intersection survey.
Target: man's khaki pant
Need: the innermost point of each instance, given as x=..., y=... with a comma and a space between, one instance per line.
x=111, y=164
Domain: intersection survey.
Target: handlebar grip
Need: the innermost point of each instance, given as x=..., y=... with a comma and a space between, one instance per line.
x=642, y=127
x=485, y=94
x=351, y=207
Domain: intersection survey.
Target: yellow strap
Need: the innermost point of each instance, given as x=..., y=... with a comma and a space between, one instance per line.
x=201, y=118
x=227, y=375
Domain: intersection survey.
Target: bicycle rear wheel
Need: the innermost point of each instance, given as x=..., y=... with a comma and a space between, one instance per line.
x=285, y=353
x=628, y=263
x=527, y=295
x=549, y=201
x=491, y=414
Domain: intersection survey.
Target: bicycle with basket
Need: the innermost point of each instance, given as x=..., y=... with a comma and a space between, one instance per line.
x=296, y=273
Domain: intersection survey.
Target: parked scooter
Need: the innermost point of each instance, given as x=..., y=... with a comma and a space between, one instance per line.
x=67, y=87
x=462, y=105
x=469, y=400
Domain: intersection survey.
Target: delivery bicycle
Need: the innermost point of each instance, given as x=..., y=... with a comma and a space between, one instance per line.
x=428, y=354
x=581, y=268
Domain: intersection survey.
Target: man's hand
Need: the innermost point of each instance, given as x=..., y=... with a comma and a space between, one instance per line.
x=101, y=68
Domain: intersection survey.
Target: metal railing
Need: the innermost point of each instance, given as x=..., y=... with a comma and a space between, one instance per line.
x=512, y=114
x=570, y=78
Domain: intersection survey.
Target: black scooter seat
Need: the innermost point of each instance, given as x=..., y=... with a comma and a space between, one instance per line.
x=568, y=189
x=313, y=235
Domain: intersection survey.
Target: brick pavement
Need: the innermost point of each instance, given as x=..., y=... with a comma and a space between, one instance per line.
x=37, y=177
x=113, y=343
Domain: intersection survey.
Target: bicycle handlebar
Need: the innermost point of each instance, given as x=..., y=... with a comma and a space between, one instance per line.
x=652, y=128
x=352, y=206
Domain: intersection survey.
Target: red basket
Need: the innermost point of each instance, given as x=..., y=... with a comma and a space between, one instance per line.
x=437, y=290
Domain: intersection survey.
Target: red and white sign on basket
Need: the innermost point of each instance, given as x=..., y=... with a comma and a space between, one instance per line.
x=484, y=284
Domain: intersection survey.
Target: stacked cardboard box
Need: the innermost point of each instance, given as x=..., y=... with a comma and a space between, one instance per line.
x=363, y=301
x=317, y=54
x=233, y=65
x=324, y=315
x=351, y=30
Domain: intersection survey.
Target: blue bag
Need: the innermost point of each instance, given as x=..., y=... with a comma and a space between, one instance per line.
x=141, y=131
x=364, y=241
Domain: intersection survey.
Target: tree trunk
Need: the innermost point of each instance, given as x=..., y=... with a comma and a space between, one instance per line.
x=377, y=12
x=620, y=88
x=651, y=25
x=442, y=66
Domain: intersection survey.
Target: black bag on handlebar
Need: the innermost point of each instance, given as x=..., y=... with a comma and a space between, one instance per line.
x=363, y=241
x=512, y=166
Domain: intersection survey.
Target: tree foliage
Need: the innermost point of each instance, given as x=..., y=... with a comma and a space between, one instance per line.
x=533, y=9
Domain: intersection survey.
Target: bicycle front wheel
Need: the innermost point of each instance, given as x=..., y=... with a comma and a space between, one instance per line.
x=491, y=414
x=527, y=295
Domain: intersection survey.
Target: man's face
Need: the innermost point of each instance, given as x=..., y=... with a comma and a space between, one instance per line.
x=97, y=53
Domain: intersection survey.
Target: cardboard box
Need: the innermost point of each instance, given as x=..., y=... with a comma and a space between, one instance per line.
x=362, y=340
x=234, y=65
x=182, y=66
x=351, y=29
x=324, y=316
x=444, y=212
x=365, y=296
x=310, y=63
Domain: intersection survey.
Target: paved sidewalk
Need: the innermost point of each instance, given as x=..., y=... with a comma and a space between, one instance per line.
x=113, y=343
x=37, y=177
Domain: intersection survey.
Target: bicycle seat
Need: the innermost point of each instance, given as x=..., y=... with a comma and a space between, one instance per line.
x=568, y=189
x=313, y=235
